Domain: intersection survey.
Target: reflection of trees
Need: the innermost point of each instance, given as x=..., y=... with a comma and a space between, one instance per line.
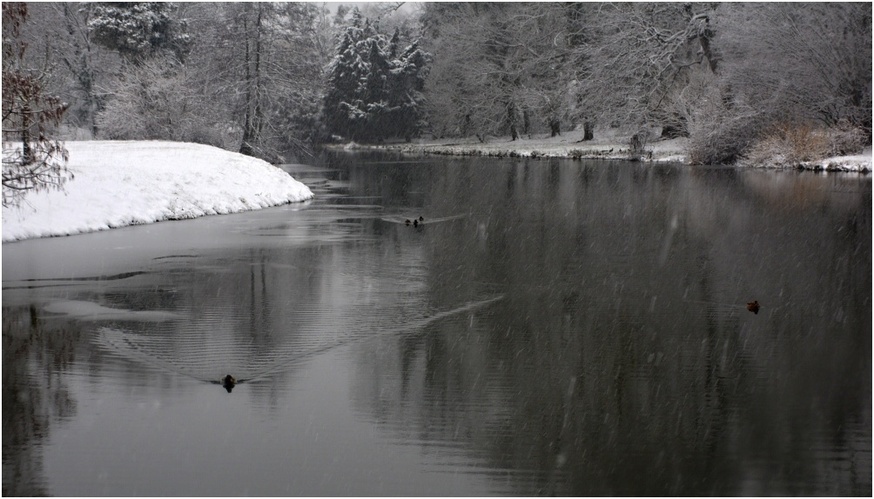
x=35, y=395
x=622, y=360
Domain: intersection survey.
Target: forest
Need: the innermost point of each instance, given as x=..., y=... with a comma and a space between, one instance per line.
x=265, y=79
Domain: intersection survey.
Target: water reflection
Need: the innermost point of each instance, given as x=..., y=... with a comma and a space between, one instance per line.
x=552, y=327
x=35, y=394
x=624, y=360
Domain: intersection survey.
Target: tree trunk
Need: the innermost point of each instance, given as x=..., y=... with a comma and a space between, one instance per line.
x=511, y=120
x=588, y=130
x=80, y=63
x=258, y=121
x=636, y=145
x=250, y=126
x=554, y=127
x=245, y=147
x=712, y=60
x=26, y=152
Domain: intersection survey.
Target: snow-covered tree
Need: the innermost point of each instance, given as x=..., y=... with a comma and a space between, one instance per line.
x=34, y=161
x=272, y=66
x=785, y=70
x=640, y=58
x=374, y=92
x=811, y=63
x=344, y=112
x=405, y=92
x=158, y=100
x=138, y=30
x=80, y=67
x=499, y=68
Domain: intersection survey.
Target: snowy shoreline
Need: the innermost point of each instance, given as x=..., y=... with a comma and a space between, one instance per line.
x=121, y=183
x=664, y=151
x=569, y=146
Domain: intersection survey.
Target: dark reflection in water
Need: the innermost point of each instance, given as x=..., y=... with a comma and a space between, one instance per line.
x=551, y=328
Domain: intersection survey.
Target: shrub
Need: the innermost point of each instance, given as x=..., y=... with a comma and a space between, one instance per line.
x=786, y=144
x=722, y=140
x=790, y=144
x=847, y=139
x=719, y=128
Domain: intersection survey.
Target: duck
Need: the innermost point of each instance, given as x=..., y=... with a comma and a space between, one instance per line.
x=415, y=223
x=228, y=382
x=407, y=222
x=421, y=219
x=753, y=306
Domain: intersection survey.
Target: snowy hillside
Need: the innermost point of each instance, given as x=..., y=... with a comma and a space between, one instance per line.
x=119, y=183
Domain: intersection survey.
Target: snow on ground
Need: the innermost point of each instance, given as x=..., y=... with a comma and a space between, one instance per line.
x=120, y=183
x=606, y=145
x=857, y=163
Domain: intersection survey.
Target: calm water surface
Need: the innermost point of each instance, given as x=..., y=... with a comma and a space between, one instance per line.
x=553, y=327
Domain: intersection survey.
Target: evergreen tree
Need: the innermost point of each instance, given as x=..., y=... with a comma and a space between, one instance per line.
x=139, y=30
x=374, y=101
x=343, y=114
x=373, y=92
x=407, y=99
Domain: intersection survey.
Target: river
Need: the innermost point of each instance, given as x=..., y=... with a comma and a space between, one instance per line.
x=551, y=327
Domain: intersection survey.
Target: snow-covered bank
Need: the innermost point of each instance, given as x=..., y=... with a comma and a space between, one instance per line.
x=120, y=183
x=569, y=145
x=855, y=163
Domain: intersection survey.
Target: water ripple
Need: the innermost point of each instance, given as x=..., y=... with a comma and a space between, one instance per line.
x=196, y=355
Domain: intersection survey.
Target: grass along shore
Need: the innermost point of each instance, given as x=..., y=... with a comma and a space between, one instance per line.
x=570, y=145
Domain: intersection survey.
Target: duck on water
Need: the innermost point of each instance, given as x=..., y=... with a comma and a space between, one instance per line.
x=229, y=382
x=416, y=221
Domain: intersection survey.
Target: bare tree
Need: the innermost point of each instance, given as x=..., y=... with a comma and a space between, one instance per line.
x=498, y=68
x=640, y=57
x=261, y=62
x=158, y=100
x=82, y=58
x=783, y=67
x=37, y=162
x=800, y=61
x=252, y=18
